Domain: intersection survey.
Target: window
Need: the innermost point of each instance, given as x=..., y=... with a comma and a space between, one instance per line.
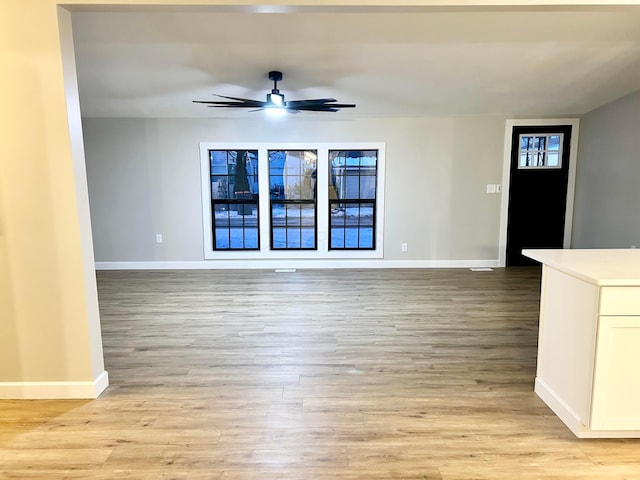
x=292, y=187
x=352, y=199
x=541, y=151
x=234, y=199
x=343, y=219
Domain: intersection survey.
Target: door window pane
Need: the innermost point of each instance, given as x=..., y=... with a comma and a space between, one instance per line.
x=554, y=142
x=540, y=151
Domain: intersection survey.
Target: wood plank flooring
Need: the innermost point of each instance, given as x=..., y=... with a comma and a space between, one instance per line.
x=316, y=374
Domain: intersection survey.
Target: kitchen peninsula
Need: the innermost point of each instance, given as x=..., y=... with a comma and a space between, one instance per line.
x=588, y=368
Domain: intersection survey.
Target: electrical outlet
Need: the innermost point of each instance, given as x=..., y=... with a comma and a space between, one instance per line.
x=158, y=238
x=403, y=247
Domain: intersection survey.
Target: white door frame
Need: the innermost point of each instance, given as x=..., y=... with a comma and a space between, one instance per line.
x=506, y=175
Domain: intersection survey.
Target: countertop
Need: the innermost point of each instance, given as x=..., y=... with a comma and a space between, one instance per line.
x=602, y=267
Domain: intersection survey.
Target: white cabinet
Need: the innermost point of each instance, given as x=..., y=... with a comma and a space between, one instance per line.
x=588, y=369
x=620, y=301
x=616, y=386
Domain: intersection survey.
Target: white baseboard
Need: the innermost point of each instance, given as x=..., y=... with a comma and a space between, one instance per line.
x=54, y=390
x=572, y=420
x=299, y=263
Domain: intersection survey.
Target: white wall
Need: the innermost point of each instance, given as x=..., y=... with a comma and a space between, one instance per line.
x=50, y=344
x=144, y=179
x=607, y=202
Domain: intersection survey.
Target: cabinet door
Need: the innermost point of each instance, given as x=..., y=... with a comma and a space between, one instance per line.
x=616, y=388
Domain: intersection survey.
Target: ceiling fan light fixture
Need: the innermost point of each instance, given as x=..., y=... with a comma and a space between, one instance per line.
x=275, y=99
x=276, y=112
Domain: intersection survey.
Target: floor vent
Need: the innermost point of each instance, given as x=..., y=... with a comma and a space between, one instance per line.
x=285, y=270
x=481, y=269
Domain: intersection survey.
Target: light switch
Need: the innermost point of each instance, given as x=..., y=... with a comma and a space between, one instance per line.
x=491, y=188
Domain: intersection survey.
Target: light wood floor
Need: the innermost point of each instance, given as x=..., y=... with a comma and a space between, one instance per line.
x=343, y=374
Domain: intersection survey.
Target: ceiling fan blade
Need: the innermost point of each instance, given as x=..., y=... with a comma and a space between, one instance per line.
x=342, y=105
x=238, y=99
x=325, y=107
x=311, y=101
x=247, y=104
x=318, y=104
x=232, y=102
x=317, y=108
x=237, y=105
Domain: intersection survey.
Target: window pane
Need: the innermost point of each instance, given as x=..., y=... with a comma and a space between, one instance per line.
x=366, y=216
x=222, y=214
x=337, y=238
x=352, y=225
x=292, y=174
x=279, y=238
x=308, y=238
x=351, y=188
x=234, y=176
x=352, y=177
x=545, y=151
x=366, y=238
x=219, y=162
x=234, y=230
x=292, y=185
x=368, y=186
x=220, y=187
x=338, y=217
x=553, y=159
x=369, y=158
x=293, y=238
x=554, y=142
x=249, y=210
x=237, y=242
x=278, y=214
x=276, y=171
x=251, y=238
x=222, y=238
x=298, y=187
x=292, y=214
x=308, y=215
x=307, y=221
x=351, y=238
x=346, y=169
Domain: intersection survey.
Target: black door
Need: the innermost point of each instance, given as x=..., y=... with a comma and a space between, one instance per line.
x=537, y=190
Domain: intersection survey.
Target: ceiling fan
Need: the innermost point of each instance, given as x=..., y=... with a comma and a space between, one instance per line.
x=275, y=101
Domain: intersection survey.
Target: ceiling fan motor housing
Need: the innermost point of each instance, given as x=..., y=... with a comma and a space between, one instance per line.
x=275, y=75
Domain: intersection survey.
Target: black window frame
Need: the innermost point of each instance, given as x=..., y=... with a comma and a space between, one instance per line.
x=337, y=203
x=274, y=200
x=253, y=201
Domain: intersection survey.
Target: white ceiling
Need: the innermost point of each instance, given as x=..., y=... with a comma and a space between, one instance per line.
x=393, y=62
